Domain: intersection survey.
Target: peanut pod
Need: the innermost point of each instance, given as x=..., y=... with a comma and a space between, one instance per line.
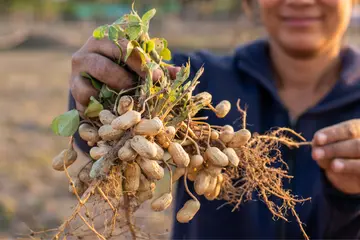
x=178, y=173
x=161, y=203
x=132, y=177
x=202, y=182
x=213, y=170
x=214, y=135
x=240, y=138
x=126, y=121
x=151, y=168
x=108, y=133
x=126, y=152
x=232, y=156
x=216, y=157
x=143, y=147
x=178, y=154
x=126, y=103
x=212, y=185
x=165, y=136
x=143, y=196
x=196, y=161
x=97, y=152
x=106, y=117
x=188, y=211
x=68, y=156
x=148, y=127
x=88, y=133
x=222, y=109
x=84, y=174
x=100, y=168
x=159, y=152
x=145, y=184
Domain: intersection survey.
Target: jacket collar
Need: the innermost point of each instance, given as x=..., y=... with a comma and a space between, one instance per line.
x=253, y=59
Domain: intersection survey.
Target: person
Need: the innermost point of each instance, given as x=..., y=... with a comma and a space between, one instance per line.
x=301, y=76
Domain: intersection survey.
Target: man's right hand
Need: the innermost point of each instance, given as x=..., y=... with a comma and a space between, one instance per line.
x=98, y=59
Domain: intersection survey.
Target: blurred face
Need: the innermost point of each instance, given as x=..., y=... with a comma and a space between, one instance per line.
x=305, y=27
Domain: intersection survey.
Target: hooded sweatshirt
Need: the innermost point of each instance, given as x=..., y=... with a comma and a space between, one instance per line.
x=247, y=75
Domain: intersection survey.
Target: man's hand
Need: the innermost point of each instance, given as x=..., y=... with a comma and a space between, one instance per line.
x=98, y=59
x=337, y=150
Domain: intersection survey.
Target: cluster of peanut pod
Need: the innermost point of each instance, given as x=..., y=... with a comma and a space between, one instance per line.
x=192, y=148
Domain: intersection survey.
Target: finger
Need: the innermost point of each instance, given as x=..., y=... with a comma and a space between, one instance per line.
x=82, y=90
x=339, y=132
x=107, y=48
x=104, y=70
x=81, y=108
x=344, y=149
x=173, y=71
x=349, y=166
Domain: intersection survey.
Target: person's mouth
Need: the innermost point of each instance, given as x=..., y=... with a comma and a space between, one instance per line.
x=300, y=21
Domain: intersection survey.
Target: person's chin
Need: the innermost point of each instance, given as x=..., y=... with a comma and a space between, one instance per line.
x=302, y=48
x=301, y=52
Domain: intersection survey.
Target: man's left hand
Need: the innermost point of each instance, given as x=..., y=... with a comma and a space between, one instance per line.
x=336, y=149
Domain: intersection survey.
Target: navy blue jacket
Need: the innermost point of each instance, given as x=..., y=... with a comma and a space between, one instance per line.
x=247, y=75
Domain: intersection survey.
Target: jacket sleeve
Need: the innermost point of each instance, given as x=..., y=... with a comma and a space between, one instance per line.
x=338, y=214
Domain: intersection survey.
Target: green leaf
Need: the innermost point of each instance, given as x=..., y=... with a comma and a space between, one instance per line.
x=133, y=32
x=121, y=32
x=95, y=83
x=66, y=124
x=186, y=85
x=94, y=108
x=150, y=45
x=165, y=42
x=148, y=16
x=149, y=80
x=133, y=20
x=130, y=47
x=105, y=92
x=99, y=33
x=113, y=33
x=122, y=20
x=181, y=76
x=166, y=54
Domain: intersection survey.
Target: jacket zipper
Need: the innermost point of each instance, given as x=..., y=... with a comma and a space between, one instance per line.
x=291, y=165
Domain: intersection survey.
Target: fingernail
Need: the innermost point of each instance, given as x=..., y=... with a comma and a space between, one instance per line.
x=337, y=165
x=319, y=153
x=321, y=138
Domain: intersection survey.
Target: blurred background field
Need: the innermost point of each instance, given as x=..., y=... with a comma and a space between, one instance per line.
x=37, y=40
